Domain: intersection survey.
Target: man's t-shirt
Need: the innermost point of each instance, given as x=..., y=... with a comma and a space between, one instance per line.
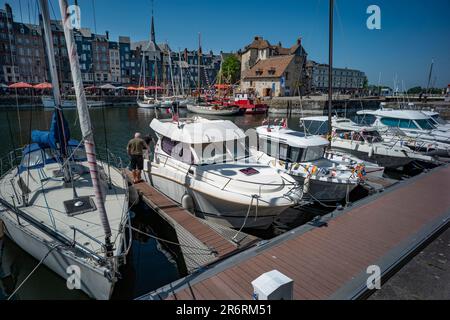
x=136, y=147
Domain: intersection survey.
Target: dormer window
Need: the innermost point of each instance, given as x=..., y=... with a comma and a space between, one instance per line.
x=272, y=71
x=259, y=72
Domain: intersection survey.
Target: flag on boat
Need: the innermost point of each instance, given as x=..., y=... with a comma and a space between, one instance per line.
x=265, y=122
x=284, y=123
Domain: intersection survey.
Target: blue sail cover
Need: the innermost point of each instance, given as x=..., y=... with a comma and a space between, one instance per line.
x=58, y=136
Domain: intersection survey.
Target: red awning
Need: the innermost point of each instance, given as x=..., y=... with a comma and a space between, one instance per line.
x=91, y=88
x=20, y=85
x=44, y=85
x=131, y=88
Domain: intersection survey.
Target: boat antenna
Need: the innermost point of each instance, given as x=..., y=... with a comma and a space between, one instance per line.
x=198, y=63
x=330, y=70
x=85, y=125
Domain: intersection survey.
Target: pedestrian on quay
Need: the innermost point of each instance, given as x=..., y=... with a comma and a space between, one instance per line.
x=135, y=150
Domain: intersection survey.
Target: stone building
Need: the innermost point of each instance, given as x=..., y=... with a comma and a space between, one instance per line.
x=272, y=70
x=114, y=62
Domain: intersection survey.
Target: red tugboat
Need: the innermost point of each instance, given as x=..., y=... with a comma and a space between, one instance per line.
x=250, y=105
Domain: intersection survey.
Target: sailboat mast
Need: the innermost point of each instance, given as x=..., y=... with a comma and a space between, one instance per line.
x=330, y=69
x=171, y=70
x=50, y=52
x=429, y=76
x=181, y=74
x=85, y=125
x=198, y=62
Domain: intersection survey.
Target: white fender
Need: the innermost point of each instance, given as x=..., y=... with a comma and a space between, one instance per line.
x=306, y=185
x=371, y=151
x=187, y=202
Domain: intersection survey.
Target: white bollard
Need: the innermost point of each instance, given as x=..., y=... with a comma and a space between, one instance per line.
x=273, y=285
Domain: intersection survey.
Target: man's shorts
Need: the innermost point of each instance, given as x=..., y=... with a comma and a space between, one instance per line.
x=137, y=163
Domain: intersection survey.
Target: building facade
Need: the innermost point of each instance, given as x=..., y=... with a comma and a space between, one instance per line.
x=23, y=58
x=272, y=70
x=344, y=80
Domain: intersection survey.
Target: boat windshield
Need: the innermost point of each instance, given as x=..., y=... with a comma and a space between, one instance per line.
x=306, y=155
x=425, y=124
x=221, y=152
x=314, y=127
x=438, y=120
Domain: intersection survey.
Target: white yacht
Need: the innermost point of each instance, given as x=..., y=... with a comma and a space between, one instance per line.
x=366, y=143
x=415, y=124
x=49, y=103
x=303, y=157
x=205, y=166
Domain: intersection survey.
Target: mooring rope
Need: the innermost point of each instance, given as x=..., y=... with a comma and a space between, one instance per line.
x=32, y=272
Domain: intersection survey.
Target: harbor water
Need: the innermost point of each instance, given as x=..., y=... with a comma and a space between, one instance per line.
x=149, y=265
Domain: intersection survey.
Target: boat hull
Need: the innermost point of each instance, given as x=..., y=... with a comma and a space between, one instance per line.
x=326, y=191
x=148, y=105
x=211, y=111
x=383, y=161
x=217, y=209
x=93, y=281
x=70, y=104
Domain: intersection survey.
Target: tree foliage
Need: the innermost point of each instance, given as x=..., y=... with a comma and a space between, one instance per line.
x=231, y=70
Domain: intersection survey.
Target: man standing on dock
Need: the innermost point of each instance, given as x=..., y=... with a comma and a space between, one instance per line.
x=135, y=150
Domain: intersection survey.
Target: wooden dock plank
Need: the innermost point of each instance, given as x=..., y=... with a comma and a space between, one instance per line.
x=182, y=218
x=323, y=260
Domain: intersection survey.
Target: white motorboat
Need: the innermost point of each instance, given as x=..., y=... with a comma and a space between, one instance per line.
x=60, y=204
x=204, y=166
x=302, y=157
x=365, y=143
x=414, y=124
x=49, y=103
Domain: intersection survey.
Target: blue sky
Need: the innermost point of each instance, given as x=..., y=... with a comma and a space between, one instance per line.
x=412, y=32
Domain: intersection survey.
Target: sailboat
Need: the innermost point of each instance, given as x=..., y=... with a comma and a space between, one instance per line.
x=60, y=204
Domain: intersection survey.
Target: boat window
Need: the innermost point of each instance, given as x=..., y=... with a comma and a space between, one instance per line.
x=167, y=145
x=221, y=152
x=425, y=124
x=437, y=118
x=177, y=150
x=313, y=153
x=343, y=134
x=283, y=151
x=407, y=124
x=32, y=159
x=390, y=122
x=296, y=154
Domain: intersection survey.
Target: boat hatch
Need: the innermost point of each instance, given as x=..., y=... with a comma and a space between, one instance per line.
x=79, y=206
x=249, y=171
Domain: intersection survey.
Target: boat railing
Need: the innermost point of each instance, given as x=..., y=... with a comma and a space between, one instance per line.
x=9, y=161
x=190, y=172
x=13, y=158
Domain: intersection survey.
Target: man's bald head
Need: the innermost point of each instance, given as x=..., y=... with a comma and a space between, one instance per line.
x=137, y=135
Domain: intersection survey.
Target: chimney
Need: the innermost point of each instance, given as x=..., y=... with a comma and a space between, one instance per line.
x=257, y=38
x=107, y=35
x=299, y=41
x=279, y=44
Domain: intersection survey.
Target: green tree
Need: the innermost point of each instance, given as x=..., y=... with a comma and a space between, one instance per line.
x=231, y=70
x=415, y=90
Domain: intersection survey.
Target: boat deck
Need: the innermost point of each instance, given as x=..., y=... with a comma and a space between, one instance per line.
x=329, y=260
x=202, y=242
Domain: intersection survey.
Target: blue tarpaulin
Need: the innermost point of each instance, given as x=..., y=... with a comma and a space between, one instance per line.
x=57, y=137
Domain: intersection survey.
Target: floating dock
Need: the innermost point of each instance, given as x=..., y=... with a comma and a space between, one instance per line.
x=201, y=242
x=328, y=259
